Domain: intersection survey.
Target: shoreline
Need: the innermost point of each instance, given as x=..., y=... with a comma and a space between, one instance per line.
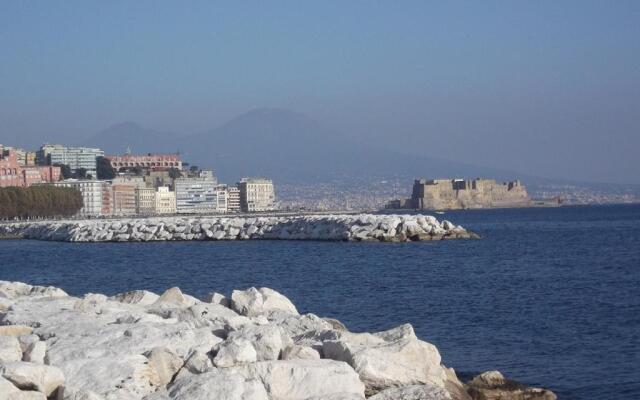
x=251, y=345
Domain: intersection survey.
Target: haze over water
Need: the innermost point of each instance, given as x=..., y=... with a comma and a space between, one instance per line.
x=546, y=88
x=548, y=296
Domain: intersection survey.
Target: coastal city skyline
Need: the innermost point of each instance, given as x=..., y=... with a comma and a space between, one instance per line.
x=362, y=200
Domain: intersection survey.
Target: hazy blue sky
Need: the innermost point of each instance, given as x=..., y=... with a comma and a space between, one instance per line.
x=543, y=87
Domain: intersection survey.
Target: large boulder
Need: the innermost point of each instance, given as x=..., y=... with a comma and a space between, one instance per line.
x=217, y=384
x=28, y=376
x=413, y=392
x=141, y=297
x=492, y=385
x=234, y=351
x=10, y=349
x=164, y=363
x=268, y=340
x=303, y=379
x=35, y=352
x=8, y=391
x=387, y=359
x=252, y=302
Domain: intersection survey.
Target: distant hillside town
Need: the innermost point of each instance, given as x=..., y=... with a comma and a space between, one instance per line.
x=455, y=194
x=130, y=184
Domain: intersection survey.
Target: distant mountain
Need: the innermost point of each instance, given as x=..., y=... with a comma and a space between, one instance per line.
x=117, y=138
x=291, y=147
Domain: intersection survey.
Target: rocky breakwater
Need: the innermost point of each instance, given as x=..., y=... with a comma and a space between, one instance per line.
x=253, y=345
x=363, y=227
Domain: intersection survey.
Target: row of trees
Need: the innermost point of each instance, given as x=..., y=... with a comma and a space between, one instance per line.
x=39, y=202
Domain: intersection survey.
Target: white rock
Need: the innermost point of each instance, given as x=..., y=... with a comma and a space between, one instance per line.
x=199, y=362
x=268, y=340
x=35, y=353
x=10, y=349
x=252, y=302
x=388, y=359
x=234, y=352
x=165, y=363
x=141, y=297
x=302, y=379
x=8, y=391
x=28, y=376
x=414, y=392
x=217, y=384
x=217, y=298
x=298, y=352
x=125, y=377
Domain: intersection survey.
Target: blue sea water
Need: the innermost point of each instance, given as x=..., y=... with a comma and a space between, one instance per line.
x=550, y=297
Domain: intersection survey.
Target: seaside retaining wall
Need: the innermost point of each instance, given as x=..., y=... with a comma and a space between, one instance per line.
x=363, y=227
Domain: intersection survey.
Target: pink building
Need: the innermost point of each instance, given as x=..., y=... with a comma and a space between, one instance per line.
x=14, y=174
x=10, y=171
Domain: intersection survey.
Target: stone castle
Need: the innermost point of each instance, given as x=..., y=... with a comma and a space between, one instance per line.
x=453, y=194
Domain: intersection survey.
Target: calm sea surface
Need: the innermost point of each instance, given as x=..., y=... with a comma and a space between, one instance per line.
x=549, y=297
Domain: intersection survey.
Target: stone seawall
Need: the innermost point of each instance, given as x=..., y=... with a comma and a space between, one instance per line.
x=363, y=227
x=251, y=345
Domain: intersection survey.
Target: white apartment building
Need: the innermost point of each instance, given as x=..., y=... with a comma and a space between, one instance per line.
x=165, y=201
x=145, y=201
x=91, y=191
x=196, y=195
x=221, y=199
x=233, y=199
x=257, y=195
x=74, y=157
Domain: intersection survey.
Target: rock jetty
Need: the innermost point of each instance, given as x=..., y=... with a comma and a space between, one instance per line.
x=363, y=227
x=252, y=345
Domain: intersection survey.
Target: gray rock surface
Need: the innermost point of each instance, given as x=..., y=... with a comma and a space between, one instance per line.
x=338, y=227
x=141, y=346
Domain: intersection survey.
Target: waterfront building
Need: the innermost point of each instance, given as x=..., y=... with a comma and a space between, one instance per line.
x=451, y=194
x=131, y=180
x=106, y=198
x=222, y=200
x=233, y=199
x=75, y=157
x=197, y=194
x=151, y=162
x=165, y=201
x=12, y=173
x=256, y=195
x=91, y=191
x=145, y=201
x=123, y=199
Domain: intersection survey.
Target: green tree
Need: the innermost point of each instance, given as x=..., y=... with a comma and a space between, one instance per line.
x=104, y=168
x=174, y=173
x=39, y=202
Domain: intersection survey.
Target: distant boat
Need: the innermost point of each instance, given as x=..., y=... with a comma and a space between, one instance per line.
x=440, y=212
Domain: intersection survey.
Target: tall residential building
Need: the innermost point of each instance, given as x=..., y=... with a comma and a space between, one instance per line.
x=222, y=201
x=74, y=157
x=196, y=195
x=106, y=198
x=91, y=191
x=257, y=195
x=145, y=201
x=165, y=201
x=233, y=199
x=123, y=199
